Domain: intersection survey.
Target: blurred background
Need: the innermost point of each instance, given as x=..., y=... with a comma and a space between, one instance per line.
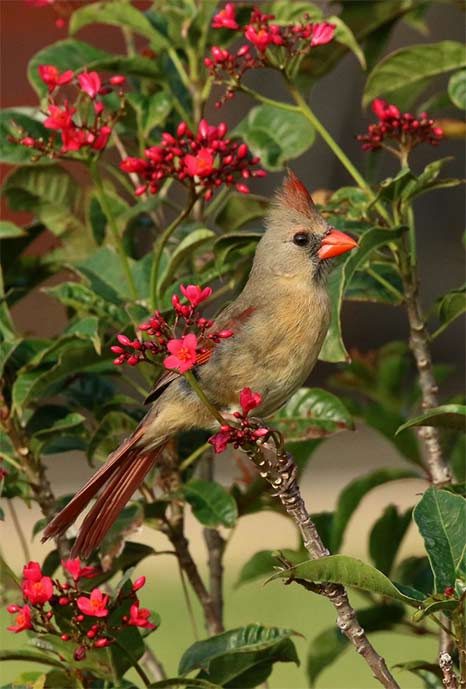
x=440, y=225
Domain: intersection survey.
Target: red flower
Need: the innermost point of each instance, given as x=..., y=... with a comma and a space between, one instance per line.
x=225, y=19
x=51, y=76
x=90, y=83
x=139, y=617
x=200, y=165
x=74, y=568
x=32, y=571
x=384, y=110
x=249, y=400
x=322, y=33
x=73, y=139
x=95, y=605
x=220, y=441
x=183, y=353
x=262, y=37
x=23, y=620
x=38, y=592
x=59, y=118
x=133, y=165
x=195, y=294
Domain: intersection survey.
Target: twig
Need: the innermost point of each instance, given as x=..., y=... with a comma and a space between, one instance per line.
x=279, y=469
x=446, y=665
x=189, y=606
x=150, y=661
x=419, y=345
x=215, y=550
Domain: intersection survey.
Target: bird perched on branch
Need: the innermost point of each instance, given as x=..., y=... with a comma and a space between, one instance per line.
x=279, y=321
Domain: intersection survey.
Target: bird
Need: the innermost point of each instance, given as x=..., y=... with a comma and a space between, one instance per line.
x=279, y=320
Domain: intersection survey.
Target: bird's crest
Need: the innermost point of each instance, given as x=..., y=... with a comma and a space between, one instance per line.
x=294, y=194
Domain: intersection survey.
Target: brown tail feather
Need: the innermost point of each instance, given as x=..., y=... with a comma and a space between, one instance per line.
x=118, y=478
x=121, y=486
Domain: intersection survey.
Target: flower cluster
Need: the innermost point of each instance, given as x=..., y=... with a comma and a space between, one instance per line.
x=261, y=33
x=406, y=129
x=202, y=161
x=64, y=609
x=181, y=350
x=81, y=125
x=248, y=430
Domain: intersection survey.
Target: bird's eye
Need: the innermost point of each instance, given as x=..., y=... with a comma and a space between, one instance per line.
x=301, y=238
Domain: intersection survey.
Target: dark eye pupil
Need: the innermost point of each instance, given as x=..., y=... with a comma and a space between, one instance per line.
x=301, y=238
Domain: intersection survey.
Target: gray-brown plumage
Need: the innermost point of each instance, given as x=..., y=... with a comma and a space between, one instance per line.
x=279, y=320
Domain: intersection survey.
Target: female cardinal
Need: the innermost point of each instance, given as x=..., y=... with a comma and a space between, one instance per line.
x=279, y=322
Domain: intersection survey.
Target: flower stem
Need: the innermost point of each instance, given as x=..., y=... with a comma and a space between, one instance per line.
x=194, y=455
x=202, y=396
x=135, y=664
x=159, y=247
x=102, y=196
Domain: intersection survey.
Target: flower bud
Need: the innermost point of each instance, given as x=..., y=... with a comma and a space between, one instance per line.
x=80, y=653
x=101, y=643
x=139, y=583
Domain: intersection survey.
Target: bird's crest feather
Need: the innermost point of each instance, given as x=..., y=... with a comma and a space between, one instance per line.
x=294, y=194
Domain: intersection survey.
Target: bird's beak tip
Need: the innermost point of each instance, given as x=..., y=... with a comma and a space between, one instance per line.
x=336, y=243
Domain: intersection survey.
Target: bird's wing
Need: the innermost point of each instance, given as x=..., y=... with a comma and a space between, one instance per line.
x=230, y=319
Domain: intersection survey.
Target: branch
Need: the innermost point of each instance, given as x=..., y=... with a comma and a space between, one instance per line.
x=446, y=665
x=215, y=550
x=419, y=345
x=278, y=468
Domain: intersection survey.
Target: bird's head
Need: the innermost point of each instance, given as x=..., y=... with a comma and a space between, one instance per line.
x=298, y=240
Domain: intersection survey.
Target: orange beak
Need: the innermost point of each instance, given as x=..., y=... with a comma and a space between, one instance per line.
x=335, y=243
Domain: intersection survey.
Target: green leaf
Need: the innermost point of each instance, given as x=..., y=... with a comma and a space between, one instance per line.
x=445, y=416
x=9, y=229
x=430, y=673
x=262, y=563
x=386, y=537
x=16, y=123
x=109, y=433
x=87, y=328
x=457, y=89
x=346, y=37
x=183, y=682
x=66, y=54
x=117, y=14
x=239, y=210
x=379, y=282
x=151, y=110
x=276, y=135
x=234, y=241
x=351, y=496
x=311, y=413
x=449, y=605
x=440, y=517
x=69, y=421
x=30, y=656
x=211, y=504
x=83, y=300
x=408, y=67
x=348, y=571
x=327, y=646
x=416, y=572
x=48, y=191
x=412, y=186
x=105, y=275
x=253, y=638
x=450, y=307
x=334, y=349
x=185, y=249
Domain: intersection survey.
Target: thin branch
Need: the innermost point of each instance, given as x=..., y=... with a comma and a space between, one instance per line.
x=278, y=469
x=419, y=345
x=19, y=531
x=449, y=680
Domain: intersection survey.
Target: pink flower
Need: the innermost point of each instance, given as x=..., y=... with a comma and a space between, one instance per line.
x=183, y=353
x=90, y=83
x=73, y=139
x=74, y=568
x=38, y=592
x=322, y=33
x=249, y=400
x=195, y=294
x=51, y=76
x=220, y=441
x=139, y=617
x=59, y=118
x=200, y=165
x=32, y=571
x=261, y=38
x=225, y=19
x=23, y=620
x=95, y=605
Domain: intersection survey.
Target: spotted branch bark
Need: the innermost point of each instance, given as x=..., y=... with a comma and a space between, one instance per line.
x=278, y=468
